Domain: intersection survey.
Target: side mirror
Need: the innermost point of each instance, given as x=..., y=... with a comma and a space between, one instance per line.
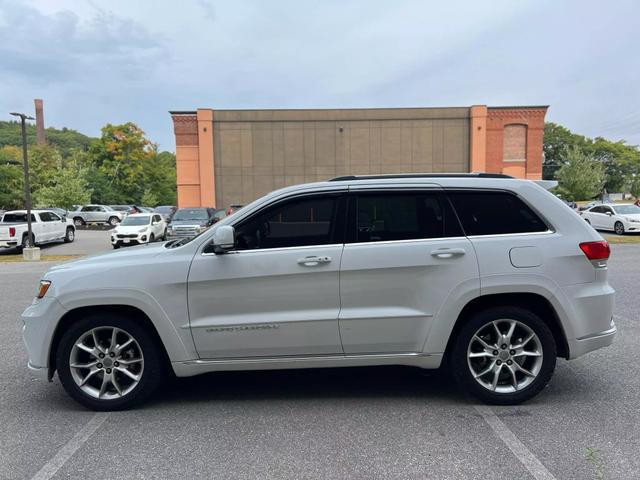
x=610, y=214
x=224, y=238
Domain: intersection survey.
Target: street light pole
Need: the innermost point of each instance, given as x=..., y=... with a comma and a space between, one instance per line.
x=27, y=187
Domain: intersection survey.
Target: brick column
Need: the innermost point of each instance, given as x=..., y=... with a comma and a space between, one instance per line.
x=205, y=159
x=478, y=138
x=185, y=128
x=40, y=138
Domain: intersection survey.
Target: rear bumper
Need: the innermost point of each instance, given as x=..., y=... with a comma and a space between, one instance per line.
x=8, y=243
x=587, y=344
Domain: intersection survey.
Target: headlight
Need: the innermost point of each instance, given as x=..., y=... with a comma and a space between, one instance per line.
x=634, y=220
x=44, y=286
x=201, y=228
x=170, y=229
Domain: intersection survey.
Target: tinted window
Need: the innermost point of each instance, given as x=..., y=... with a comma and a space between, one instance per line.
x=295, y=223
x=597, y=210
x=17, y=217
x=494, y=213
x=191, y=214
x=392, y=216
x=49, y=217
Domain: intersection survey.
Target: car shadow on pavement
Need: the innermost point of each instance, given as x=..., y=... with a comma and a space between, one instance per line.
x=311, y=384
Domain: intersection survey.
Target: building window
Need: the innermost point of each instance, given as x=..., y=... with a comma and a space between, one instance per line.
x=515, y=143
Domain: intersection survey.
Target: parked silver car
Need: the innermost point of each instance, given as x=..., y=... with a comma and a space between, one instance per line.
x=97, y=214
x=491, y=273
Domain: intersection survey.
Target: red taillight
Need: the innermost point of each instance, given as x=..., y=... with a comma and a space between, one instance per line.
x=596, y=250
x=12, y=231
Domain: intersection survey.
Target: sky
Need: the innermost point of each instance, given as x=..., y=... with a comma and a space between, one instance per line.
x=95, y=62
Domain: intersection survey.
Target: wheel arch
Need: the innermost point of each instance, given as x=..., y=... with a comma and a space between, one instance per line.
x=124, y=310
x=533, y=302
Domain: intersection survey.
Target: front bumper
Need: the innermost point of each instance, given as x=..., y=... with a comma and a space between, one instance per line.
x=632, y=227
x=40, y=320
x=125, y=242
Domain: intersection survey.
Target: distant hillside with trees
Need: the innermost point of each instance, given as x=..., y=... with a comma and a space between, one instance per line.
x=122, y=166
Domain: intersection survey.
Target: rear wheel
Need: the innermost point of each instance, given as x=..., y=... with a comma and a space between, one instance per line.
x=504, y=355
x=619, y=228
x=79, y=221
x=70, y=236
x=108, y=362
x=113, y=221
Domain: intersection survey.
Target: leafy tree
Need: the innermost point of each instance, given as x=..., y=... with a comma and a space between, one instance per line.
x=64, y=140
x=581, y=177
x=634, y=185
x=557, y=140
x=149, y=199
x=119, y=155
x=160, y=178
x=11, y=177
x=68, y=187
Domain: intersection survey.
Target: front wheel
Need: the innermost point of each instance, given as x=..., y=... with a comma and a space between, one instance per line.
x=619, y=228
x=152, y=238
x=70, y=235
x=504, y=355
x=108, y=362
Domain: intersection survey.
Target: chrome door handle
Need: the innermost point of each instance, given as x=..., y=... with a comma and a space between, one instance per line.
x=313, y=261
x=448, y=252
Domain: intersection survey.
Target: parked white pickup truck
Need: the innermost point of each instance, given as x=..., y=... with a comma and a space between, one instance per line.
x=46, y=226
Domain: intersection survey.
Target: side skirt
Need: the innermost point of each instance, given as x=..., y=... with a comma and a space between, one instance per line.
x=196, y=367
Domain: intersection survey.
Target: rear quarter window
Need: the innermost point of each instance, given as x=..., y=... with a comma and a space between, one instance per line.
x=495, y=213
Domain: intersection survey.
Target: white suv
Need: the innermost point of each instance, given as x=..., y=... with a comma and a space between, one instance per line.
x=494, y=275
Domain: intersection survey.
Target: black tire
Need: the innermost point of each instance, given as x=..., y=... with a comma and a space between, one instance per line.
x=23, y=244
x=152, y=374
x=115, y=247
x=462, y=369
x=79, y=221
x=618, y=227
x=70, y=235
x=113, y=221
x=152, y=238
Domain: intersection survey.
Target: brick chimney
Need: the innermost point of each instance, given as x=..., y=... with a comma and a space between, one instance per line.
x=40, y=140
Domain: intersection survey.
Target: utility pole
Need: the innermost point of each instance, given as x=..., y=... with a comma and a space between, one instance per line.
x=27, y=187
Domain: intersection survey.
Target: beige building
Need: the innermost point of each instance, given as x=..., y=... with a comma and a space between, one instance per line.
x=229, y=157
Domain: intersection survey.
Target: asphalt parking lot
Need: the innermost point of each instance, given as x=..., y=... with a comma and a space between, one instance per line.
x=342, y=423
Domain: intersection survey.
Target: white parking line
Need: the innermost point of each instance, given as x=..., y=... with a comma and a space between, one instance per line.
x=65, y=453
x=522, y=453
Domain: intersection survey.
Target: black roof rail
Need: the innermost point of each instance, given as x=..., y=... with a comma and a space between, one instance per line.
x=420, y=175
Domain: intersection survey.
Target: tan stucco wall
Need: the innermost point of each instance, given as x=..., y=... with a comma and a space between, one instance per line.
x=234, y=156
x=259, y=151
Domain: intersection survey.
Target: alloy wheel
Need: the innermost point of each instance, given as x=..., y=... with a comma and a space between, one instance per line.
x=619, y=228
x=106, y=363
x=505, y=356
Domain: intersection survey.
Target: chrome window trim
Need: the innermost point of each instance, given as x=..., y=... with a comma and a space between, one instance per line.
x=277, y=249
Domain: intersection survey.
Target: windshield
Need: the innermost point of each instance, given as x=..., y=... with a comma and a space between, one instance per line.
x=163, y=210
x=135, y=221
x=191, y=214
x=626, y=209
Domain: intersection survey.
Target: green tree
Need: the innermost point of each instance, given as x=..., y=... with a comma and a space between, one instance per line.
x=11, y=177
x=581, y=177
x=68, y=187
x=634, y=185
x=160, y=178
x=120, y=155
x=149, y=199
x=557, y=140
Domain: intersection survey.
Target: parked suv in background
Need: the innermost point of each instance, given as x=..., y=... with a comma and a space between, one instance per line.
x=97, y=214
x=139, y=228
x=189, y=222
x=493, y=274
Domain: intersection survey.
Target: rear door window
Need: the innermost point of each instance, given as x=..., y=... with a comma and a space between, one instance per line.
x=495, y=213
x=391, y=216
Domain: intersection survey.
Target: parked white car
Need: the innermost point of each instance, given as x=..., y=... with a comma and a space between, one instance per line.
x=139, y=228
x=46, y=227
x=620, y=218
x=493, y=274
